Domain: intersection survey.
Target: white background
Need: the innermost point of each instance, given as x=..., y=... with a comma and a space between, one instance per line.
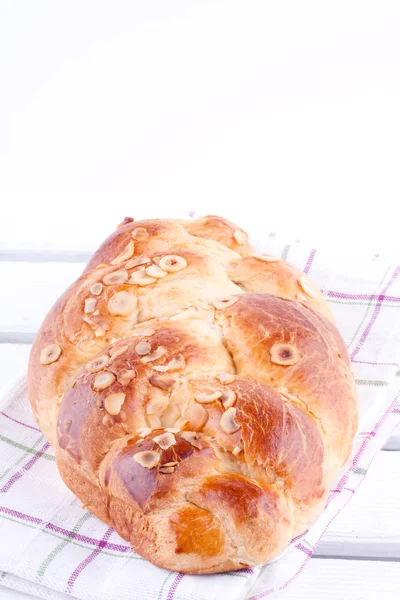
x=283, y=112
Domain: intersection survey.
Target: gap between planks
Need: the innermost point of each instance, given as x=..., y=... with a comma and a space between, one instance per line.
x=63, y=256
x=337, y=579
x=17, y=337
x=357, y=558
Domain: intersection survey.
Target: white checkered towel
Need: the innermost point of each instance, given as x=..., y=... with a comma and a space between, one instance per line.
x=53, y=548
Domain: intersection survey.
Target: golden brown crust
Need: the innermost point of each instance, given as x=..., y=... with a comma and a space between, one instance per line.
x=198, y=396
x=258, y=324
x=222, y=231
x=272, y=275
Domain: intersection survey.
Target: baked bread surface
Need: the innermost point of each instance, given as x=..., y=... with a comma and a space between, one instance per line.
x=198, y=396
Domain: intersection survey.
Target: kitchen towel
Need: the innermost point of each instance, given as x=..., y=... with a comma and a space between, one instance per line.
x=54, y=549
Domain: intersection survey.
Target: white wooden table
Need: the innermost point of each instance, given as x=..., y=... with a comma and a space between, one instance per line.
x=358, y=557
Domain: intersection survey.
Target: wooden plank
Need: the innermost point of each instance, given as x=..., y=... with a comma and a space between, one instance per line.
x=13, y=362
x=45, y=255
x=393, y=442
x=369, y=525
x=7, y=594
x=32, y=288
x=324, y=579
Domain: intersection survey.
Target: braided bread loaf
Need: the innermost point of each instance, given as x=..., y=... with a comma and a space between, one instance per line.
x=198, y=396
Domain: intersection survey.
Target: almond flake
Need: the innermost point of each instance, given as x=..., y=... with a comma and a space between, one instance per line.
x=125, y=254
x=147, y=459
x=192, y=438
x=228, y=421
x=50, y=354
x=113, y=403
x=165, y=440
